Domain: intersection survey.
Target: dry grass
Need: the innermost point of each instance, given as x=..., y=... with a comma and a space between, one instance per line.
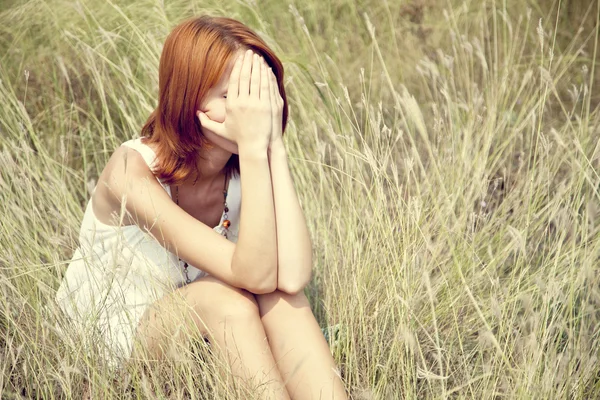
x=446, y=155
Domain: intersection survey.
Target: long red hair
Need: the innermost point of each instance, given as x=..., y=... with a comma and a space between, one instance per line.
x=194, y=57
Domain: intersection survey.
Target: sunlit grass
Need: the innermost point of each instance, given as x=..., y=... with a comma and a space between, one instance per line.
x=446, y=156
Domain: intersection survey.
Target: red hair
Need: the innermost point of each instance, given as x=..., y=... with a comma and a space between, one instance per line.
x=193, y=59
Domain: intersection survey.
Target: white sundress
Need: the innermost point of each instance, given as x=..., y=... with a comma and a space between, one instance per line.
x=117, y=272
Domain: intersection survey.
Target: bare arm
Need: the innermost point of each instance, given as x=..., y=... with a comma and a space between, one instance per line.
x=255, y=256
x=294, y=247
x=250, y=264
x=129, y=182
x=248, y=123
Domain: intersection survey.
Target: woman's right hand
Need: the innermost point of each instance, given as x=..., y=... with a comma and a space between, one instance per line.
x=248, y=116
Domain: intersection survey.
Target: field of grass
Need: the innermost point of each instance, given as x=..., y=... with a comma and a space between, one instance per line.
x=447, y=158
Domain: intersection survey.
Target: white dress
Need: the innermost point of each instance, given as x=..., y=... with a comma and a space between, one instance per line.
x=117, y=272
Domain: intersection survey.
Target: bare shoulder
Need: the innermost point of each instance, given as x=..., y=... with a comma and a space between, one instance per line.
x=124, y=165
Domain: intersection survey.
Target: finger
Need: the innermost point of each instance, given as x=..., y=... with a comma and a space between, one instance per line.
x=264, y=81
x=213, y=126
x=234, y=79
x=245, y=74
x=255, y=80
x=276, y=101
x=275, y=95
x=269, y=87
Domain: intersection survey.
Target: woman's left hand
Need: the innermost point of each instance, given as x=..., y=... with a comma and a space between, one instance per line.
x=276, y=110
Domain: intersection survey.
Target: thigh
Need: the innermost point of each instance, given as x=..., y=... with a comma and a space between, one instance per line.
x=189, y=313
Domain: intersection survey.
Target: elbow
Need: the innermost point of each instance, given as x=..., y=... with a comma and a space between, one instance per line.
x=264, y=283
x=294, y=287
x=264, y=287
x=255, y=280
x=291, y=290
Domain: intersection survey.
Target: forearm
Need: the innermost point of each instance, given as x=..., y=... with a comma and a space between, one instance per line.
x=255, y=256
x=294, y=247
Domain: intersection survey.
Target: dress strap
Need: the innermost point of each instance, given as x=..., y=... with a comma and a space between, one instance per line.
x=148, y=155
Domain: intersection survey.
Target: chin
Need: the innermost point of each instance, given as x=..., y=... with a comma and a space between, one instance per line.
x=232, y=148
x=226, y=145
x=221, y=142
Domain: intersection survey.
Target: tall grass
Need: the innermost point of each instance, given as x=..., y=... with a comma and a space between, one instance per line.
x=446, y=155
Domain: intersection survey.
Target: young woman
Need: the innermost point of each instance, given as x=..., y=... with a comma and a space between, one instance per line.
x=166, y=242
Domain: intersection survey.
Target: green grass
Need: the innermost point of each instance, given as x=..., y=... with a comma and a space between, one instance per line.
x=446, y=155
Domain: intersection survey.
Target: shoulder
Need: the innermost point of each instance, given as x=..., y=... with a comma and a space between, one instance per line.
x=125, y=161
x=125, y=166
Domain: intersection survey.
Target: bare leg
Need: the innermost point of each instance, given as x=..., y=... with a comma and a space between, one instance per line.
x=299, y=347
x=229, y=316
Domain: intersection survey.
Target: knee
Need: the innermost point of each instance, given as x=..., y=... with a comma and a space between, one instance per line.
x=218, y=299
x=282, y=300
x=237, y=303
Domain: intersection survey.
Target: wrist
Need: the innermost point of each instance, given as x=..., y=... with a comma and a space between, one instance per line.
x=276, y=146
x=252, y=149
